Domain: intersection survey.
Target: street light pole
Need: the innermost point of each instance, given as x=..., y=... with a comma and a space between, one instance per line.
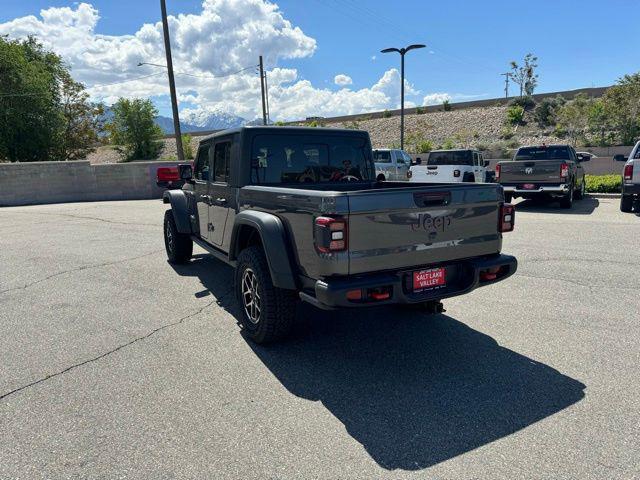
x=172, y=83
x=402, y=52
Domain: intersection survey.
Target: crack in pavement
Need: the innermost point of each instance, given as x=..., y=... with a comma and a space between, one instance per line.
x=97, y=219
x=84, y=267
x=114, y=350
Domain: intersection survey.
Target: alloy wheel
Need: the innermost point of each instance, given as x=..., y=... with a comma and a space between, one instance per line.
x=251, y=296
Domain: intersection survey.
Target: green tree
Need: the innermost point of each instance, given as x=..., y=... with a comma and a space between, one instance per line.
x=81, y=122
x=622, y=104
x=30, y=114
x=525, y=75
x=186, y=146
x=573, y=118
x=134, y=130
x=599, y=122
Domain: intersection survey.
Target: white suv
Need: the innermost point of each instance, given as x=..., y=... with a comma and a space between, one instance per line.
x=451, y=166
x=630, y=180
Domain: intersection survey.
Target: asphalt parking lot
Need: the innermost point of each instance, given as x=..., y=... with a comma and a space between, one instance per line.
x=115, y=364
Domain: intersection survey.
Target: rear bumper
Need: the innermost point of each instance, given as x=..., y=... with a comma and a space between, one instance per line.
x=554, y=189
x=461, y=277
x=631, y=188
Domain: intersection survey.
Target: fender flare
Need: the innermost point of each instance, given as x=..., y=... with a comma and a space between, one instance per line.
x=274, y=242
x=180, y=208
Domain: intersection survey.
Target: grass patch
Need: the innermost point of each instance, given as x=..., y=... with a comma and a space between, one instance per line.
x=604, y=183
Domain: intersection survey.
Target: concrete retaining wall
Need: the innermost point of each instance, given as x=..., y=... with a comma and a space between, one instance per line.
x=79, y=181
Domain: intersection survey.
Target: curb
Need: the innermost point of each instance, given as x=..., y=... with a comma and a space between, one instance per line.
x=604, y=195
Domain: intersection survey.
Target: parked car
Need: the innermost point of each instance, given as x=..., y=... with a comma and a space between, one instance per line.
x=630, y=197
x=299, y=214
x=168, y=177
x=391, y=164
x=546, y=172
x=451, y=166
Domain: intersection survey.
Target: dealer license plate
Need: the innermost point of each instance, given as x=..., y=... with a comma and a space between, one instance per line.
x=427, y=279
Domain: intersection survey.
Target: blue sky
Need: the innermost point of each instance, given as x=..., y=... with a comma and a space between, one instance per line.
x=579, y=43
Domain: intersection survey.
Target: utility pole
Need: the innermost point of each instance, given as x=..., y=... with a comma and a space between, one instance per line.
x=264, y=106
x=507, y=76
x=172, y=83
x=266, y=95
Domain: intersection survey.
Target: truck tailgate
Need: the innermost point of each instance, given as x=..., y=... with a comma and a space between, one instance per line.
x=422, y=225
x=530, y=171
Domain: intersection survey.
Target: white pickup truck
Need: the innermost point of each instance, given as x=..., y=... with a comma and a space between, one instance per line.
x=451, y=166
x=391, y=164
x=630, y=180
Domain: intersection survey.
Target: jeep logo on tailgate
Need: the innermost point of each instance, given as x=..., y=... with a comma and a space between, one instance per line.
x=528, y=170
x=431, y=224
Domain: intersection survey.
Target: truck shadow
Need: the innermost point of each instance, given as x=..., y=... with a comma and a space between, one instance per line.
x=586, y=206
x=413, y=390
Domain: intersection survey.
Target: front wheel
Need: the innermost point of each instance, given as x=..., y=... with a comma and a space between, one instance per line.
x=267, y=311
x=179, y=246
x=626, y=203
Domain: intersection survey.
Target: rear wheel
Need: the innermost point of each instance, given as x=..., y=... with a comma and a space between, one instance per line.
x=267, y=311
x=380, y=178
x=567, y=200
x=583, y=188
x=179, y=246
x=626, y=203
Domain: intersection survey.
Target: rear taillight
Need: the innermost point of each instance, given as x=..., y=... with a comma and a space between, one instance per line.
x=168, y=174
x=330, y=234
x=564, y=170
x=497, y=171
x=507, y=218
x=628, y=172
x=456, y=173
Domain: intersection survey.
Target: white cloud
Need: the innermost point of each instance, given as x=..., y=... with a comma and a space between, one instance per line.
x=224, y=37
x=342, y=80
x=373, y=58
x=436, y=98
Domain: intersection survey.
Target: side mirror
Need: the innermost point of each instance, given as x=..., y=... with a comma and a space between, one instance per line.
x=186, y=172
x=620, y=158
x=486, y=163
x=583, y=158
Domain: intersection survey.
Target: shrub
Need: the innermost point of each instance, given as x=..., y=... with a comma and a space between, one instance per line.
x=506, y=133
x=446, y=106
x=386, y=114
x=483, y=147
x=604, y=183
x=448, y=144
x=513, y=143
x=515, y=115
x=546, y=112
x=424, y=146
x=314, y=124
x=525, y=102
x=279, y=123
x=420, y=110
x=187, y=148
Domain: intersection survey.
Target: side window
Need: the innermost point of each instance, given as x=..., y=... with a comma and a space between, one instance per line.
x=201, y=170
x=475, y=159
x=399, y=156
x=221, y=158
x=481, y=160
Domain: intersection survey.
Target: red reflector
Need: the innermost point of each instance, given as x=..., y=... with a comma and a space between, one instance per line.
x=330, y=234
x=354, y=295
x=167, y=174
x=628, y=171
x=380, y=295
x=497, y=171
x=489, y=274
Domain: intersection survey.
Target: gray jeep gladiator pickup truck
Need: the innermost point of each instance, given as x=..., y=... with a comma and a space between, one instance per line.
x=544, y=172
x=299, y=214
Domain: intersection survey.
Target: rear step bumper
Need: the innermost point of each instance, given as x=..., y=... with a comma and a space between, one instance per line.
x=561, y=189
x=462, y=277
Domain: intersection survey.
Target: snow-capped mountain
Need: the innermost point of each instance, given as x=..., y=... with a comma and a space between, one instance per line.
x=211, y=120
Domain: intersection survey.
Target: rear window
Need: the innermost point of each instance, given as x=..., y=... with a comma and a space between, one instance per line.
x=453, y=157
x=543, y=153
x=381, y=156
x=277, y=159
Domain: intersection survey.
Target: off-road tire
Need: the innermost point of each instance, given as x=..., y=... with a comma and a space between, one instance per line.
x=579, y=195
x=626, y=203
x=567, y=200
x=277, y=305
x=381, y=178
x=179, y=246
